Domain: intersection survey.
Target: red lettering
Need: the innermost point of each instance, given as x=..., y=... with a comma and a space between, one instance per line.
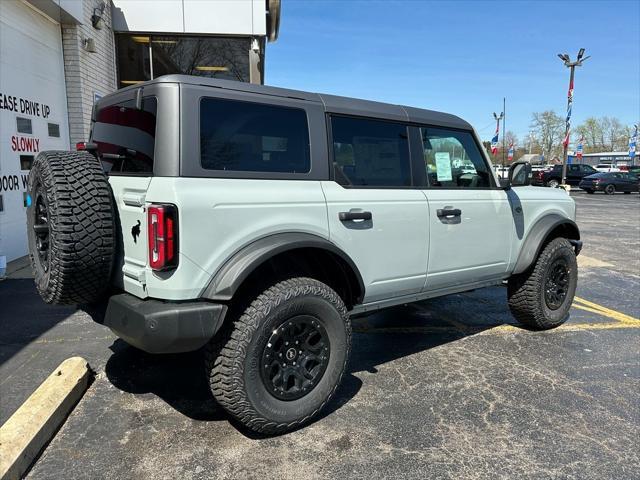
x=23, y=144
x=14, y=143
x=36, y=143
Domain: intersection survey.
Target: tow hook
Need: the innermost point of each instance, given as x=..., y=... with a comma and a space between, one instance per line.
x=577, y=245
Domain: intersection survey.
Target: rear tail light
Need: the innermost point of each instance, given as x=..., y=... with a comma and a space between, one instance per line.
x=81, y=146
x=162, y=222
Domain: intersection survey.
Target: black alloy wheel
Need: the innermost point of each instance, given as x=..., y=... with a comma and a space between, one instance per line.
x=610, y=189
x=295, y=357
x=557, y=284
x=40, y=214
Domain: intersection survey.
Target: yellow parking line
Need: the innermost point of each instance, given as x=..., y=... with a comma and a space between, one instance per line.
x=607, y=312
x=567, y=327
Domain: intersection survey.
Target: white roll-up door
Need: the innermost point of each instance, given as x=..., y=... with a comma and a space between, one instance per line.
x=33, y=110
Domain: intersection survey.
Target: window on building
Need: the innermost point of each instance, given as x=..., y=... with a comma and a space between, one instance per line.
x=26, y=161
x=253, y=137
x=453, y=160
x=370, y=152
x=144, y=57
x=125, y=136
x=54, y=130
x=23, y=125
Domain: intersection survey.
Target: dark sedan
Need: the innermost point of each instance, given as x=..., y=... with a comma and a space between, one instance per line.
x=610, y=183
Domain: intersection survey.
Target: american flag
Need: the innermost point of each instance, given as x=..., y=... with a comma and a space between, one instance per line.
x=510, y=154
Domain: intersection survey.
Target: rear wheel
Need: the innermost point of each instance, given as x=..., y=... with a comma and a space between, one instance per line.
x=541, y=297
x=589, y=191
x=70, y=227
x=279, y=362
x=553, y=183
x=610, y=189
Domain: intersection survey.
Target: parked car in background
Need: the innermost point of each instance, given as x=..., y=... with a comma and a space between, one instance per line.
x=553, y=177
x=630, y=168
x=610, y=182
x=607, y=167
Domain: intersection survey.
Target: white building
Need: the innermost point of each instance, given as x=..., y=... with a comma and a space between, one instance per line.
x=58, y=56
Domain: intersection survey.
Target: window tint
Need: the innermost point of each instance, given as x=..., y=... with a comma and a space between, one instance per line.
x=370, y=152
x=126, y=136
x=253, y=137
x=452, y=159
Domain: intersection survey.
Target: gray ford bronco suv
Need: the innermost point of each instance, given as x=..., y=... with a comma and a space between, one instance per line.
x=252, y=222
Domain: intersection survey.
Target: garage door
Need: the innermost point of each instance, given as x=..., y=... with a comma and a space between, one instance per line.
x=33, y=110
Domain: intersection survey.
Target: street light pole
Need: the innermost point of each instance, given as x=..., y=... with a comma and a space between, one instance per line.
x=571, y=65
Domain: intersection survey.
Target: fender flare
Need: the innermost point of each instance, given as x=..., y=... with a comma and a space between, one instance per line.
x=539, y=233
x=226, y=281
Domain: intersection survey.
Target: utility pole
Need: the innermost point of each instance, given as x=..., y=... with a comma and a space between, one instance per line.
x=571, y=65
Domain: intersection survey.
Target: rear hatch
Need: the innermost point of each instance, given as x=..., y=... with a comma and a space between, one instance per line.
x=124, y=135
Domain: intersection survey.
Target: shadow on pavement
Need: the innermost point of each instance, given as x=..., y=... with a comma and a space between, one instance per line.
x=179, y=379
x=24, y=317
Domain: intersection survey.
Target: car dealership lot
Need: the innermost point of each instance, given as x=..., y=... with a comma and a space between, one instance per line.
x=448, y=388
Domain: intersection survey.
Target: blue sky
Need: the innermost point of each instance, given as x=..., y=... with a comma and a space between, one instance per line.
x=463, y=57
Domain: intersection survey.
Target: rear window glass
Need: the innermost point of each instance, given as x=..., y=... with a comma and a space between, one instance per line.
x=125, y=136
x=253, y=137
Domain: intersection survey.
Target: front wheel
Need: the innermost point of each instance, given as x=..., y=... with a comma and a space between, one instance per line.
x=541, y=297
x=279, y=362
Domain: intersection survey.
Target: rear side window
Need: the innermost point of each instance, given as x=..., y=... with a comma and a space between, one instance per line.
x=253, y=137
x=125, y=136
x=370, y=153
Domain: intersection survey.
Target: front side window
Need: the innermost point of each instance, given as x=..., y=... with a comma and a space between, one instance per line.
x=253, y=137
x=453, y=160
x=125, y=136
x=370, y=153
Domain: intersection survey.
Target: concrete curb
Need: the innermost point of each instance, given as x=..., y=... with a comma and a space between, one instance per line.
x=33, y=425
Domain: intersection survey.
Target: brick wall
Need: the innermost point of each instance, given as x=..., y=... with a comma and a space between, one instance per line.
x=87, y=73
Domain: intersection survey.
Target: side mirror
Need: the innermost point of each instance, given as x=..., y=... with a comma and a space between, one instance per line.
x=520, y=174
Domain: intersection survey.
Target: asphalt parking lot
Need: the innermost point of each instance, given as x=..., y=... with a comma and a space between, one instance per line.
x=447, y=388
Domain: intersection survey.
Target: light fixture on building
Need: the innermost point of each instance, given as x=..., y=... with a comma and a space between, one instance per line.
x=255, y=45
x=97, y=19
x=89, y=45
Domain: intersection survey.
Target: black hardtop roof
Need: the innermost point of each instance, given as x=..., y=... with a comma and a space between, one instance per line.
x=331, y=103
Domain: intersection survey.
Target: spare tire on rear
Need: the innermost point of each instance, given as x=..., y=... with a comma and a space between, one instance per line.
x=70, y=227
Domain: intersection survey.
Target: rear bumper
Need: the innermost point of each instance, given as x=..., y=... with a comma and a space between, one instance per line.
x=163, y=327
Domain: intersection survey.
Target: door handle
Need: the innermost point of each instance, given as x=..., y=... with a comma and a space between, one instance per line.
x=448, y=212
x=346, y=216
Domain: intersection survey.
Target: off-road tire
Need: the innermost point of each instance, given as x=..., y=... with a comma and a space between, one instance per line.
x=526, y=291
x=81, y=227
x=232, y=358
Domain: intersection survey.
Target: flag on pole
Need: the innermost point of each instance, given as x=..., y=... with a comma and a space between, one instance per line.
x=579, y=149
x=510, y=154
x=494, y=144
x=565, y=142
x=494, y=140
x=632, y=143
